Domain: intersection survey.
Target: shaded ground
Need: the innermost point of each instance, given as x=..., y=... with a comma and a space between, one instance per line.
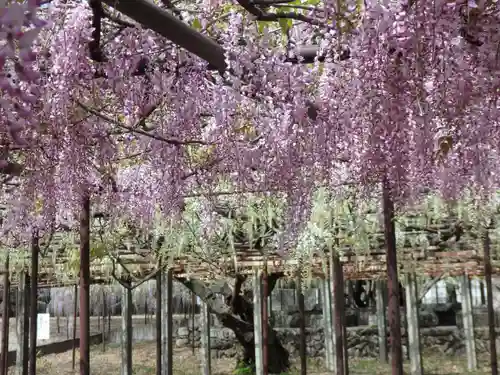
x=108, y=362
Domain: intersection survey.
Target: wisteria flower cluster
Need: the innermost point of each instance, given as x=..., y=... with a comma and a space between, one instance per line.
x=141, y=125
x=19, y=27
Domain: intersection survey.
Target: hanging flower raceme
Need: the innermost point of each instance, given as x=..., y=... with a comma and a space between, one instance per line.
x=19, y=27
x=420, y=75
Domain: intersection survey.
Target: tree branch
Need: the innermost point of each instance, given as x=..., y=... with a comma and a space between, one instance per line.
x=169, y=5
x=428, y=286
x=172, y=141
x=161, y=21
x=95, y=50
x=272, y=279
x=117, y=19
x=261, y=15
x=12, y=168
x=172, y=28
x=238, y=283
x=271, y=2
x=130, y=278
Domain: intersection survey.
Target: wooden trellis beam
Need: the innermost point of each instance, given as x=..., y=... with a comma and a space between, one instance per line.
x=370, y=265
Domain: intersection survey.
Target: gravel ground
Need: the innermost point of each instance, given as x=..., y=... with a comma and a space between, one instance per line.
x=108, y=363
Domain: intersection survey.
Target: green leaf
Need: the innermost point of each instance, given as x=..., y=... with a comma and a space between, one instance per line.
x=197, y=24
x=261, y=26
x=285, y=25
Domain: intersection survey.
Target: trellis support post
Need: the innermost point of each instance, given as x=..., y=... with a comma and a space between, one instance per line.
x=412, y=317
x=468, y=323
x=257, y=321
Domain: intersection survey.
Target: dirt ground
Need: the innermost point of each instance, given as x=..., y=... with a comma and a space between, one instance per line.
x=185, y=363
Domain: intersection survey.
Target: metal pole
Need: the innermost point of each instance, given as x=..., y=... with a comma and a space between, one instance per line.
x=257, y=321
x=158, y=323
x=22, y=324
x=489, y=303
x=85, y=286
x=338, y=309
x=302, y=326
x=5, y=318
x=35, y=250
x=381, y=321
x=193, y=313
x=75, y=314
x=265, y=324
x=104, y=313
x=126, y=334
x=392, y=281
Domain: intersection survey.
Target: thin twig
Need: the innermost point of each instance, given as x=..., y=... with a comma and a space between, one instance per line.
x=261, y=15
x=117, y=19
x=172, y=141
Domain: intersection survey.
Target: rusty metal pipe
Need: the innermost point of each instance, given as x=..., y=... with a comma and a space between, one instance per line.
x=85, y=286
x=394, y=314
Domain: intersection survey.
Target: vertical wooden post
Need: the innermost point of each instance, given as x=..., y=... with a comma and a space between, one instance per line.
x=302, y=326
x=126, y=334
x=205, y=339
x=5, y=318
x=412, y=317
x=392, y=279
x=381, y=321
x=337, y=303
x=22, y=325
x=489, y=303
x=167, y=334
x=257, y=321
x=75, y=314
x=159, y=294
x=468, y=323
x=328, y=326
x=35, y=251
x=84, y=286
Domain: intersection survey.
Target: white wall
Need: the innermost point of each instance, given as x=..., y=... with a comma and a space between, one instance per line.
x=438, y=293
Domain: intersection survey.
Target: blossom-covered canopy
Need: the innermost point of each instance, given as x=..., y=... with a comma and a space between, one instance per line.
x=94, y=103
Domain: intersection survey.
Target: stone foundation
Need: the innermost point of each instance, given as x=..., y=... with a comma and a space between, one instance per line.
x=362, y=342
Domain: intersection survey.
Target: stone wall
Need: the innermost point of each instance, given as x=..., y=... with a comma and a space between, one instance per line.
x=362, y=341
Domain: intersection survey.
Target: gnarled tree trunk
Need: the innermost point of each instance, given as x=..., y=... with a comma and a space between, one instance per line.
x=236, y=313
